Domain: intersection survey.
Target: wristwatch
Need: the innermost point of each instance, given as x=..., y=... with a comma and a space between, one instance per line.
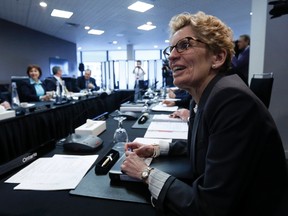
x=145, y=174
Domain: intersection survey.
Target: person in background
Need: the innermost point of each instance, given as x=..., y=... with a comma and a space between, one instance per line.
x=240, y=63
x=138, y=71
x=87, y=82
x=167, y=74
x=51, y=82
x=34, y=90
x=237, y=160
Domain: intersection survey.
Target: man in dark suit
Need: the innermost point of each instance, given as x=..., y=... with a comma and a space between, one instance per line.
x=240, y=63
x=87, y=82
x=51, y=82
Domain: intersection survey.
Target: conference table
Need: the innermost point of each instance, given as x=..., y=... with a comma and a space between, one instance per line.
x=26, y=202
x=46, y=121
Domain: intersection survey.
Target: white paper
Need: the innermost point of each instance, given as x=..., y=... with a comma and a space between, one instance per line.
x=150, y=140
x=168, y=126
x=163, y=107
x=166, y=118
x=167, y=130
x=60, y=172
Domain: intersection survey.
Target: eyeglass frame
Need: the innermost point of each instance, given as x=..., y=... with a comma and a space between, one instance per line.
x=166, y=55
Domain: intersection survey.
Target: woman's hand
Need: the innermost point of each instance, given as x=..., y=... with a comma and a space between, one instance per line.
x=6, y=105
x=45, y=97
x=133, y=165
x=184, y=114
x=168, y=103
x=141, y=150
x=171, y=94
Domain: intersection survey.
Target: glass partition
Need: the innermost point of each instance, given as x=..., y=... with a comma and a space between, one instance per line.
x=119, y=73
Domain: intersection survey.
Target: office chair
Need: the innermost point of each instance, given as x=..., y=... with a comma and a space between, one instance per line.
x=19, y=80
x=261, y=85
x=70, y=83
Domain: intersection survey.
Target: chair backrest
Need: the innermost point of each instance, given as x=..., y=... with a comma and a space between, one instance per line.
x=19, y=80
x=261, y=85
x=70, y=83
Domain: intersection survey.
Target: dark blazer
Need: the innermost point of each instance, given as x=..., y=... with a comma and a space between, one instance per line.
x=81, y=83
x=240, y=64
x=28, y=92
x=236, y=154
x=50, y=83
x=184, y=102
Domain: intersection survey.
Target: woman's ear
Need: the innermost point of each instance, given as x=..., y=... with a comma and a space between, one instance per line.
x=219, y=59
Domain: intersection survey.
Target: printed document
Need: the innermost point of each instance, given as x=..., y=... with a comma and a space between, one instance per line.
x=60, y=172
x=163, y=107
x=167, y=130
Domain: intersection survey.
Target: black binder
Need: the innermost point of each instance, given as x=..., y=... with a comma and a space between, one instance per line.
x=176, y=166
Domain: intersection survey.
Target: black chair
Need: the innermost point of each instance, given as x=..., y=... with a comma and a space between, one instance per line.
x=70, y=83
x=261, y=85
x=19, y=80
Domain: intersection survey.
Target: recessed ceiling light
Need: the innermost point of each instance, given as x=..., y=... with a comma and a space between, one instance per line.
x=95, y=32
x=140, y=6
x=251, y=13
x=87, y=27
x=114, y=42
x=146, y=27
x=119, y=48
x=61, y=13
x=167, y=41
x=79, y=48
x=155, y=46
x=43, y=4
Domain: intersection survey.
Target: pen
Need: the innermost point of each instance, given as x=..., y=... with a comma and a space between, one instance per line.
x=109, y=158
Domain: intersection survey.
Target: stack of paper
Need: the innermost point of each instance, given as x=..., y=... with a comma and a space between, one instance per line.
x=61, y=172
x=164, y=108
x=164, y=127
x=165, y=118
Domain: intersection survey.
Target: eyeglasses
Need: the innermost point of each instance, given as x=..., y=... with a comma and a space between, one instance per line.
x=181, y=46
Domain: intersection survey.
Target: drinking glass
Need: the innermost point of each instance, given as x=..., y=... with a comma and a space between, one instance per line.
x=120, y=134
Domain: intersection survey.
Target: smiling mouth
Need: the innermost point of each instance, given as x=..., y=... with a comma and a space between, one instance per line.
x=177, y=69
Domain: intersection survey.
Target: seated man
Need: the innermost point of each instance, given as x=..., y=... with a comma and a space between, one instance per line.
x=87, y=82
x=51, y=82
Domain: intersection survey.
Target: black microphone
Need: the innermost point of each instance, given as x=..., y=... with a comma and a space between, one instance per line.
x=82, y=143
x=143, y=118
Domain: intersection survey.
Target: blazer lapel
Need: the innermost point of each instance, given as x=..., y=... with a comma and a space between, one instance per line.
x=195, y=120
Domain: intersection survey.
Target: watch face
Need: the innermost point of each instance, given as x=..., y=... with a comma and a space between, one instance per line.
x=145, y=174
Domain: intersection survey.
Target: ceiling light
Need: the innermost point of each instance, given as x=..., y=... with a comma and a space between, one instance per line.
x=119, y=48
x=95, y=32
x=115, y=42
x=43, y=4
x=147, y=27
x=140, y=6
x=155, y=46
x=61, y=13
x=167, y=41
x=251, y=13
x=79, y=48
x=87, y=27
